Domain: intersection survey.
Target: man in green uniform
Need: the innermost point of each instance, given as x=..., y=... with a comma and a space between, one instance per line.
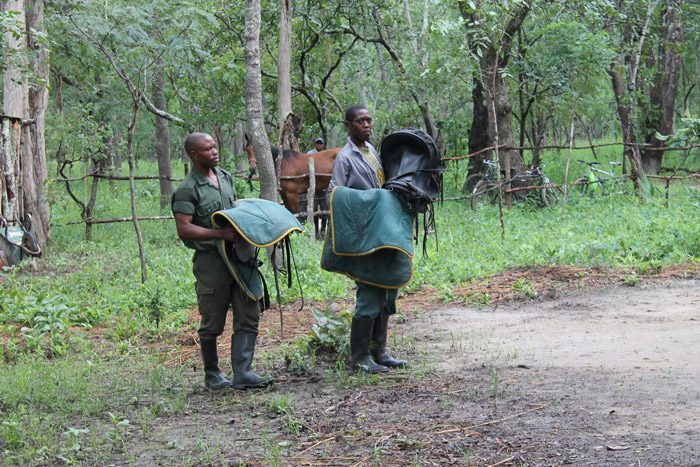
x=205, y=190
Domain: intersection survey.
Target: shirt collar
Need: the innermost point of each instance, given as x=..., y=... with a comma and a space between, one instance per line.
x=356, y=149
x=201, y=179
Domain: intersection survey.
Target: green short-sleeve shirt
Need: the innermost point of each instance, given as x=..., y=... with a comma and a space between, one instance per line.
x=198, y=197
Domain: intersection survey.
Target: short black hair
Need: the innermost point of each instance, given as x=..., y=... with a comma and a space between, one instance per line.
x=193, y=140
x=354, y=110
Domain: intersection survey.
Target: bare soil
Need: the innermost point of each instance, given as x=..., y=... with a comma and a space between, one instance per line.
x=591, y=373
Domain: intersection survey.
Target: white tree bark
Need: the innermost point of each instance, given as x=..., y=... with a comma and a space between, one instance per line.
x=253, y=100
x=284, y=57
x=19, y=101
x=239, y=147
x=36, y=201
x=15, y=96
x=162, y=141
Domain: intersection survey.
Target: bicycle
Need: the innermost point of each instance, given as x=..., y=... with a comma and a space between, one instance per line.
x=489, y=174
x=486, y=192
x=598, y=179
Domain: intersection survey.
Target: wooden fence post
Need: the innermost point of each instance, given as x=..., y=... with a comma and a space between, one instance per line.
x=311, y=198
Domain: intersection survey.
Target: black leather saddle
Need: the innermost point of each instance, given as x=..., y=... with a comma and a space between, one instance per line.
x=413, y=168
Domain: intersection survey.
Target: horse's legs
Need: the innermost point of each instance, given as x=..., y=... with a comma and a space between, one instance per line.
x=292, y=202
x=321, y=225
x=288, y=192
x=321, y=220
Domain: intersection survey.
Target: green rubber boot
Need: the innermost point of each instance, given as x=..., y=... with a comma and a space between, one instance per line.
x=242, y=350
x=212, y=375
x=378, y=344
x=360, y=335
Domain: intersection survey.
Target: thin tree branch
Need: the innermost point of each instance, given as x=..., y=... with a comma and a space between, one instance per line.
x=136, y=93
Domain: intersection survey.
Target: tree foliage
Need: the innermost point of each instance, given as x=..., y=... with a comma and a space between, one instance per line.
x=414, y=63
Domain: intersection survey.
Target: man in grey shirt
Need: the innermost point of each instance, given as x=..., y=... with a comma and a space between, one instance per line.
x=358, y=166
x=319, y=145
x=351, y=168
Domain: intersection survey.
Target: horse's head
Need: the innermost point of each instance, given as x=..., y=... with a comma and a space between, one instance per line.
x=275, y=153
x=252, y=162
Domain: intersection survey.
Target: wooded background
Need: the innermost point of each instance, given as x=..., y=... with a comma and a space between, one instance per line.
x=102, y=82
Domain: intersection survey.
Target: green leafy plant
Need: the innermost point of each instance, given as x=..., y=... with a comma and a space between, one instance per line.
x=526, y=288
x=631, y=279
x=480, y=298
x=332, y=329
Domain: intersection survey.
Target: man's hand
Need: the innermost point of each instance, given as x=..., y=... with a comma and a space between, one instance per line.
x=230, y=234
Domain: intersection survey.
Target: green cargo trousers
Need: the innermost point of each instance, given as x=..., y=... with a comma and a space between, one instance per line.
x=216, y=291
x=370, y=300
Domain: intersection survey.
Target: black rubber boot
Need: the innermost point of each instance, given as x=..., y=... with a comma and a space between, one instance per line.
x=360, y=335
x=242, y=350
x=378, y=344
x=212, y=376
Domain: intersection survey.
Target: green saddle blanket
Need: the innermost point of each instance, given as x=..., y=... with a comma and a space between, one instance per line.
x=369, y=238
x=261, y=223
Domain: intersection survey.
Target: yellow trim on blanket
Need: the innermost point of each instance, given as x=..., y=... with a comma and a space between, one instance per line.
x=377, y=285
x=368, y=252
x=350, y=275
x=259, y=245
x=233, y=272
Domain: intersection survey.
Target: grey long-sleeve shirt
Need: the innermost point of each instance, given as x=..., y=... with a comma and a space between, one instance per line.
x=352, y=170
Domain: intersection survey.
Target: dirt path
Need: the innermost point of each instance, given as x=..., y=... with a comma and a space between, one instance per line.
x=618, y=369
x=588, y=377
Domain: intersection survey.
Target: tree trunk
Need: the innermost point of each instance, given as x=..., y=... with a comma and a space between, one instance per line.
x=15, y=93
x=479, y=132
x=384, y=78
x=15, y=104
x=284, y=56
x=253, y=100
x=20, y=101
x=495, y=57
x=623, y=111
x=239, y=147
x=38, y=102
x=663, y=95
x=132, y=192
x=504, y=124
x=117, y=156
x=289, y=132
x=162, y=142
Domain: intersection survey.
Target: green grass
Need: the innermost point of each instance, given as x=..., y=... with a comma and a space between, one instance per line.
x=97, y=283
x=81, y=409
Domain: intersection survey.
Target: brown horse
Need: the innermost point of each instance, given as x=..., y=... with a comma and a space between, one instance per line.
x=296, y=164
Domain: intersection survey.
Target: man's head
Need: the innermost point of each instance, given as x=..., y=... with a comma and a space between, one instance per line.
x=202, y=150
x=358, y=122
x=320, y=144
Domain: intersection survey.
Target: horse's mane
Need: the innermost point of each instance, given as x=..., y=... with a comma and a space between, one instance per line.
x=286, y=154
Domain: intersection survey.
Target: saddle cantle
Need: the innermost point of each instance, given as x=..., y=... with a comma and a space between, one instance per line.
x=412, y=168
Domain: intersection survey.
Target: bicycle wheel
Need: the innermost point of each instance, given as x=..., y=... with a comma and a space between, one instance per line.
x=582, y=185
x=551, y=196
x=484, y=193
x=620, y=185
x=471, y=182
